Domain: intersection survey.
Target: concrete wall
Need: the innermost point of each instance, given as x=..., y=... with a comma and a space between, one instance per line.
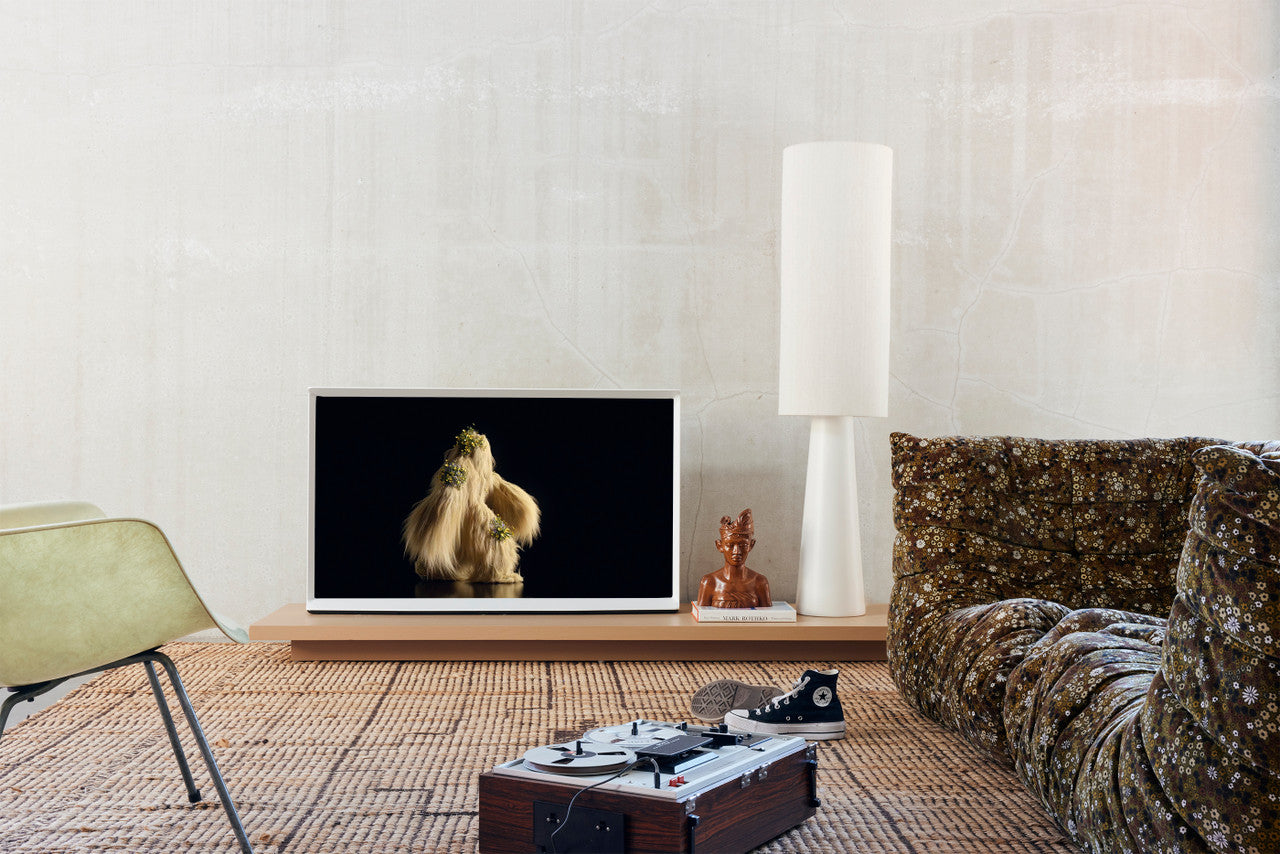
x=207, y=207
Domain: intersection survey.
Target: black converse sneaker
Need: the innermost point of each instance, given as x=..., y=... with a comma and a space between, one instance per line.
x=810, y=709
x=711, y=701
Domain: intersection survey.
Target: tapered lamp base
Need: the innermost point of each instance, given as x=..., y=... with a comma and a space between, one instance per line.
x=830, y=580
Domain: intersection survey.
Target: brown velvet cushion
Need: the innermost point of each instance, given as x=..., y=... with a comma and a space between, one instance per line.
x=1052, y=525
x=1143, y=738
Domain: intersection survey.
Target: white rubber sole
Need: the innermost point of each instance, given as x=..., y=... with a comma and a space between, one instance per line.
x=815, y=731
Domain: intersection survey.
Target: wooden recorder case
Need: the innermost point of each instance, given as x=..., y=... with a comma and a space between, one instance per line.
x=743, y=791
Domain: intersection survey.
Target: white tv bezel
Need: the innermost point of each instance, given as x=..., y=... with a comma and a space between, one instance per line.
x=405, y=605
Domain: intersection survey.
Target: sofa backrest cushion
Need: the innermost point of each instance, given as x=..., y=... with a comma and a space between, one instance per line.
x=1088, y=523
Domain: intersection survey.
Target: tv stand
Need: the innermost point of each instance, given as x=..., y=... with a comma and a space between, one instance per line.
x=570, y=637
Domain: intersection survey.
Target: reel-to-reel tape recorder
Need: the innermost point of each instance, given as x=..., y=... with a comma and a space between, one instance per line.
x=647, y=786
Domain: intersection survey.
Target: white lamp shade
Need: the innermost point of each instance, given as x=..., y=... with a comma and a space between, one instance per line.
x=836, y=212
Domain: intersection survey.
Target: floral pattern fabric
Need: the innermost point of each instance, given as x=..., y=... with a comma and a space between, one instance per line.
x=1137, y=732
x=998, y=538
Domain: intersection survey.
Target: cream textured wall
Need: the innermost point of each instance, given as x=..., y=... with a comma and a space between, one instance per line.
x=206, y=208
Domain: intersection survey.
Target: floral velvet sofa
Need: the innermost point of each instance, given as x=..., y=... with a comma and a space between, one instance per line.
x=1105, y=616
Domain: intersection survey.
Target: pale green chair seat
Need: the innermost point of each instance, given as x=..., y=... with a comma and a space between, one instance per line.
x=81, y=593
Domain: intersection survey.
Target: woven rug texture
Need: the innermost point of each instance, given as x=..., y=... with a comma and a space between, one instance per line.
x=384, y=756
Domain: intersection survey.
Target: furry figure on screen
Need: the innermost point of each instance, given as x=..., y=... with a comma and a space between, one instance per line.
x=472, y=522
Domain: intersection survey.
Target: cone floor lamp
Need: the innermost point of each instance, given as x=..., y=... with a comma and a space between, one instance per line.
x=834, y=350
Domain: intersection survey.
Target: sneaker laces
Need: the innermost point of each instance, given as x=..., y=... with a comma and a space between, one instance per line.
x=796, y=687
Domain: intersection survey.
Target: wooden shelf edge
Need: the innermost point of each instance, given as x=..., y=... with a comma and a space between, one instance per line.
x=569, y=637
x=595, y=651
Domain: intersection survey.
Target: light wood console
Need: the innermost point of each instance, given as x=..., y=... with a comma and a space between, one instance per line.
x=570, y=637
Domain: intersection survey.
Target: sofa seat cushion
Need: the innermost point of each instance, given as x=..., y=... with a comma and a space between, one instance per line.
x=984, y=644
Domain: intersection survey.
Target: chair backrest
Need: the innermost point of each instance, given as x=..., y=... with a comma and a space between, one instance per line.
x=47, y=513
x=75, y=595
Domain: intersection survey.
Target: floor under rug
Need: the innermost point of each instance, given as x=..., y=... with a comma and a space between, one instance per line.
x=384, y=756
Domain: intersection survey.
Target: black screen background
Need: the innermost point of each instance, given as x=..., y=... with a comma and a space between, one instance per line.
x=600, y=469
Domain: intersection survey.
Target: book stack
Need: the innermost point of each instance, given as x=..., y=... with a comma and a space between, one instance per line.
x=778, y=612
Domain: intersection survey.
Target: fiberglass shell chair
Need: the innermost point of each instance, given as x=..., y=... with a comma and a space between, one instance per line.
x=80, y=594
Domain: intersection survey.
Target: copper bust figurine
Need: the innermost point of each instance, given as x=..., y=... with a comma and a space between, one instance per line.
x=735, y=585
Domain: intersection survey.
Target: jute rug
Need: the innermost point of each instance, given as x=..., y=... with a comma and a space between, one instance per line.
x=384, y=757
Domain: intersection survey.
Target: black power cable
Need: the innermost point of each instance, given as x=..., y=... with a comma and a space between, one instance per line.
x=657, y=784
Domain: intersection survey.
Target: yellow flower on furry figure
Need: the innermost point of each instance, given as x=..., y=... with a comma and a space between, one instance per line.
x=468, y=440
x=472, y=523
x=500, y=530
x=452, y=474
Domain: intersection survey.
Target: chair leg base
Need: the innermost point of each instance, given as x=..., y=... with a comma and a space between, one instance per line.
x=150, y=659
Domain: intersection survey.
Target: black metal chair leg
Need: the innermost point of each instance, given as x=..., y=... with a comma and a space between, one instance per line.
x=13, y=700
x=193, y=794
x=218, y=784
x=24, y=692
x=9, y=703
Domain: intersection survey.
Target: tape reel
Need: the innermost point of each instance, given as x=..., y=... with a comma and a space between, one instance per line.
x=579, y=758
x=633, y=735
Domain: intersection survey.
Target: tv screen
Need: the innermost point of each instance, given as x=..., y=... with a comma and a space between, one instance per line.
x=494, y=500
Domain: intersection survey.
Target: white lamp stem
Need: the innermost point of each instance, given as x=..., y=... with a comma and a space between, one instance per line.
x=830, y=580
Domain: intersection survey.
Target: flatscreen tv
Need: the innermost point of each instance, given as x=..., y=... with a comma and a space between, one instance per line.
x=602, y=466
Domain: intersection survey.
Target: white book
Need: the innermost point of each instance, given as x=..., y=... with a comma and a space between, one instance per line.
x=778, y=612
